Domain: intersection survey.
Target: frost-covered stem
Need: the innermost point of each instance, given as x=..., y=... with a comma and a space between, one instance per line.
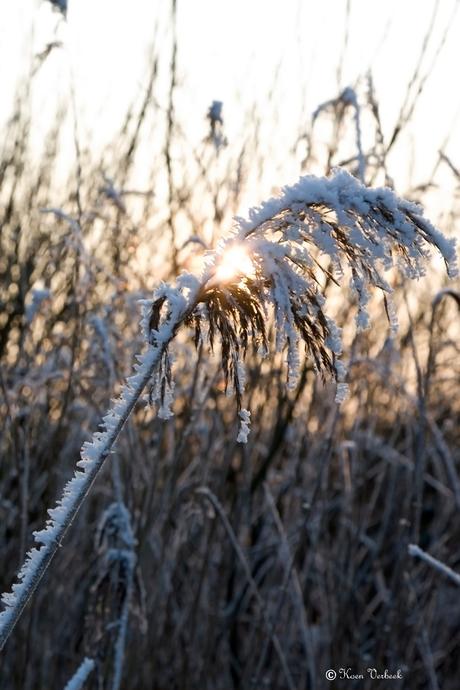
x=123, y=622
x=415, y=550
x=81, y=675
x=39, y=559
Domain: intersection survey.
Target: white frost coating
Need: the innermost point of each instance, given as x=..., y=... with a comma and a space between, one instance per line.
x=164, y=410
x=367, y=231
x=81, y=675
x=118, y=518
x=340, y=369
x=92, y=457
x=342, y=393
x=75, y=490
x=373, y=221
x=344, y=194
x=244, y=426
x=334, y=341
x=111, y=421
x=241, y=373
x=188, y=281
x=145, y=329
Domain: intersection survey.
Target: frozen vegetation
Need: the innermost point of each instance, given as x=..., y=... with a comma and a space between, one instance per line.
x=259, y=482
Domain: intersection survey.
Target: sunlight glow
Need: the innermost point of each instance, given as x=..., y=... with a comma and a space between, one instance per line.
x=235, y=262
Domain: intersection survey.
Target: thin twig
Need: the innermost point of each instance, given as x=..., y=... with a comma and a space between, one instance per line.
x=415, y=550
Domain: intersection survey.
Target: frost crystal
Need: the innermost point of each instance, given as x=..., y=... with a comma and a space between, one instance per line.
x=79, y=678
x=244, y=426
x=342, y=393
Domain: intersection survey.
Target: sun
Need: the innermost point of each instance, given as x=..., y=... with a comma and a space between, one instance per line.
x=234, y=263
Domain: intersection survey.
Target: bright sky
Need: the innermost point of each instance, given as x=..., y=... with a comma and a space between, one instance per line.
x=236, y=52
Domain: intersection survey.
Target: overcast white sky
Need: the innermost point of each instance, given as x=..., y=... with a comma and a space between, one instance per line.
x=230, y=51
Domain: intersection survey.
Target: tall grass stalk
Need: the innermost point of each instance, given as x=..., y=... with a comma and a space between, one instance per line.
x=81, y=674
x=274, y=260
x=416, y=551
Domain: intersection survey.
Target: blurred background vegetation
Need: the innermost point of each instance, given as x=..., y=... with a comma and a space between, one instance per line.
x=323, y=500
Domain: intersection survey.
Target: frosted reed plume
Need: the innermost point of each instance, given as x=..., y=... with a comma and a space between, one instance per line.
x=266, y=264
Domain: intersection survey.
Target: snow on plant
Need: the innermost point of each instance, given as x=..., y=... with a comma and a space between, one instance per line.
x=266, y=263
x=81, y=675
x=113, y=589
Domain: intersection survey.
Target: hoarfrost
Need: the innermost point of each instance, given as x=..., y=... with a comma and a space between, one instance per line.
x=362, y=229
x=342, y=393
x=81, y=675
x=244, y=426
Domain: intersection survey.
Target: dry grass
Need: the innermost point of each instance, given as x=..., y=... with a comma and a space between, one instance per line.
x=257, y=565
